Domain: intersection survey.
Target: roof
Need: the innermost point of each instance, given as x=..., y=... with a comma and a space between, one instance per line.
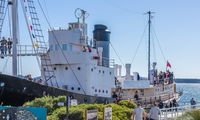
x=140, y=84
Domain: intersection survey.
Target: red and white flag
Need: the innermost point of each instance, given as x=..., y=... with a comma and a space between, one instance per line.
x=168, y=64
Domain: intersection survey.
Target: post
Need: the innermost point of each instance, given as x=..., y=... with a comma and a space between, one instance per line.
x=67, y=106
x=149, y=45
x=15, y=36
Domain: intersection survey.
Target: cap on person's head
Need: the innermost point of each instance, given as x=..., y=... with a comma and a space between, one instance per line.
x=138, y=104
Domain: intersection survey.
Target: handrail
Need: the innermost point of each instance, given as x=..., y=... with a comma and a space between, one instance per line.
x=174, y=112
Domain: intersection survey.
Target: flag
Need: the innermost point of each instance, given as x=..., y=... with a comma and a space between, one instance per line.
x=168, y=64
x=35, y=44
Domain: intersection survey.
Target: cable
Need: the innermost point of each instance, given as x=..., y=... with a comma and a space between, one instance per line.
x=154, y=50
x=159, y=44
x=60, y=47
x=139, y=44
x=3, y=19
x=117, y=54
x=5, y=65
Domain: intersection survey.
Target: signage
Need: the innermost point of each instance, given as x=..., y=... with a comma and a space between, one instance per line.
x=74, y=102
x=61, y=104
x=91, y=114
x=107, y=113
x=22, y=113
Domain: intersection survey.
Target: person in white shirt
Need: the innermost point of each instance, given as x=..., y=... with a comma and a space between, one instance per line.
x=139, y=113
x=154, y=112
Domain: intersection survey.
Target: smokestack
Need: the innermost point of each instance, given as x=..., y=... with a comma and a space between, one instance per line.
x=116, y=68
x=128, y=70
x=120, y=70
x=101, y=36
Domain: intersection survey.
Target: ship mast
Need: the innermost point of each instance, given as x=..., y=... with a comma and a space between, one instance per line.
x=149, y=44
x=15, y=36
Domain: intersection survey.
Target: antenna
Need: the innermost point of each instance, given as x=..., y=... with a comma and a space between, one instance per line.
x=149, y=43
x=80, y=13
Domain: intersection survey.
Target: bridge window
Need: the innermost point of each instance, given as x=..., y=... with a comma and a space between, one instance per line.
x=56, y=47
x=51, y=48
x=64, y=46
x=72, y=88
x=79, y=88
x=70, y=47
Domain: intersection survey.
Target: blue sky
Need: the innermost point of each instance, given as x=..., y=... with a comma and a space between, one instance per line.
x=176, y=22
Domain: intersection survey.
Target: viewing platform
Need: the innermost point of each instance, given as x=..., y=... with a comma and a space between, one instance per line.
x=25, y=50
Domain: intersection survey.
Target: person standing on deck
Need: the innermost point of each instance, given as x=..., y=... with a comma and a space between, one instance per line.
x=9, y=43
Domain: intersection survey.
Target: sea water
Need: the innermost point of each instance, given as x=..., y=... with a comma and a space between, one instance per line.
x=190, y=90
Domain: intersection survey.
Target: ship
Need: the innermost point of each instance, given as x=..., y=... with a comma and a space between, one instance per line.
x=71, y=64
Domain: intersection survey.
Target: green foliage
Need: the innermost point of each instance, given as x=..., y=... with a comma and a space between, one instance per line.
x=195, y=114
x=191, y=115
x=123, y=111
x=46, y=102
x=128, y=104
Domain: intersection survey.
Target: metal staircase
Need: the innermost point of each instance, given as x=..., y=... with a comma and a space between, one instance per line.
x=40, y=44
x=2, y=13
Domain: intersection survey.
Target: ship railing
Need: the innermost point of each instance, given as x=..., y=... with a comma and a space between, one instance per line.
x=173, y=112
x=108, y=62
x=145, y=101
x=30, y=49
x=26, y=50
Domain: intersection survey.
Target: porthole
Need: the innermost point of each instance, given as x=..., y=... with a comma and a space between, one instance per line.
x=79, y=68
x=106, y=91
x=103, y=91
x=92, y=69
x=102, y=71
x=79, y=88
x=66, y=68
x=99, y=71
x=72, y=88
x=54, y=68
x=95, y=90
x=110, y=73
x=99, y=90
x=44, y=69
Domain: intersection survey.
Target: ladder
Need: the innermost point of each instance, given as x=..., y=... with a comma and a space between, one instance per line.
x=2, y=13
x=40, y=45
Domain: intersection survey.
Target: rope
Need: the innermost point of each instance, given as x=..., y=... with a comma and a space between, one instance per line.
x=117, y=54
x=65, y=57
x=3, y=19
x=9, y=23
x=139, y=44
x=159, y=44
x=154, y=50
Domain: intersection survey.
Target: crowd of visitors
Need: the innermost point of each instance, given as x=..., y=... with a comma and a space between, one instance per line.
x=163, y=77
x=5, y=46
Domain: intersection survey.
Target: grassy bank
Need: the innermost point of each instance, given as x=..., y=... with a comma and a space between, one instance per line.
x=191, y=115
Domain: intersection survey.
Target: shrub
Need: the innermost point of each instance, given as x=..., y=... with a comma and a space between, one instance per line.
x=123, y=111
x=46, y=102
x=128, y=104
